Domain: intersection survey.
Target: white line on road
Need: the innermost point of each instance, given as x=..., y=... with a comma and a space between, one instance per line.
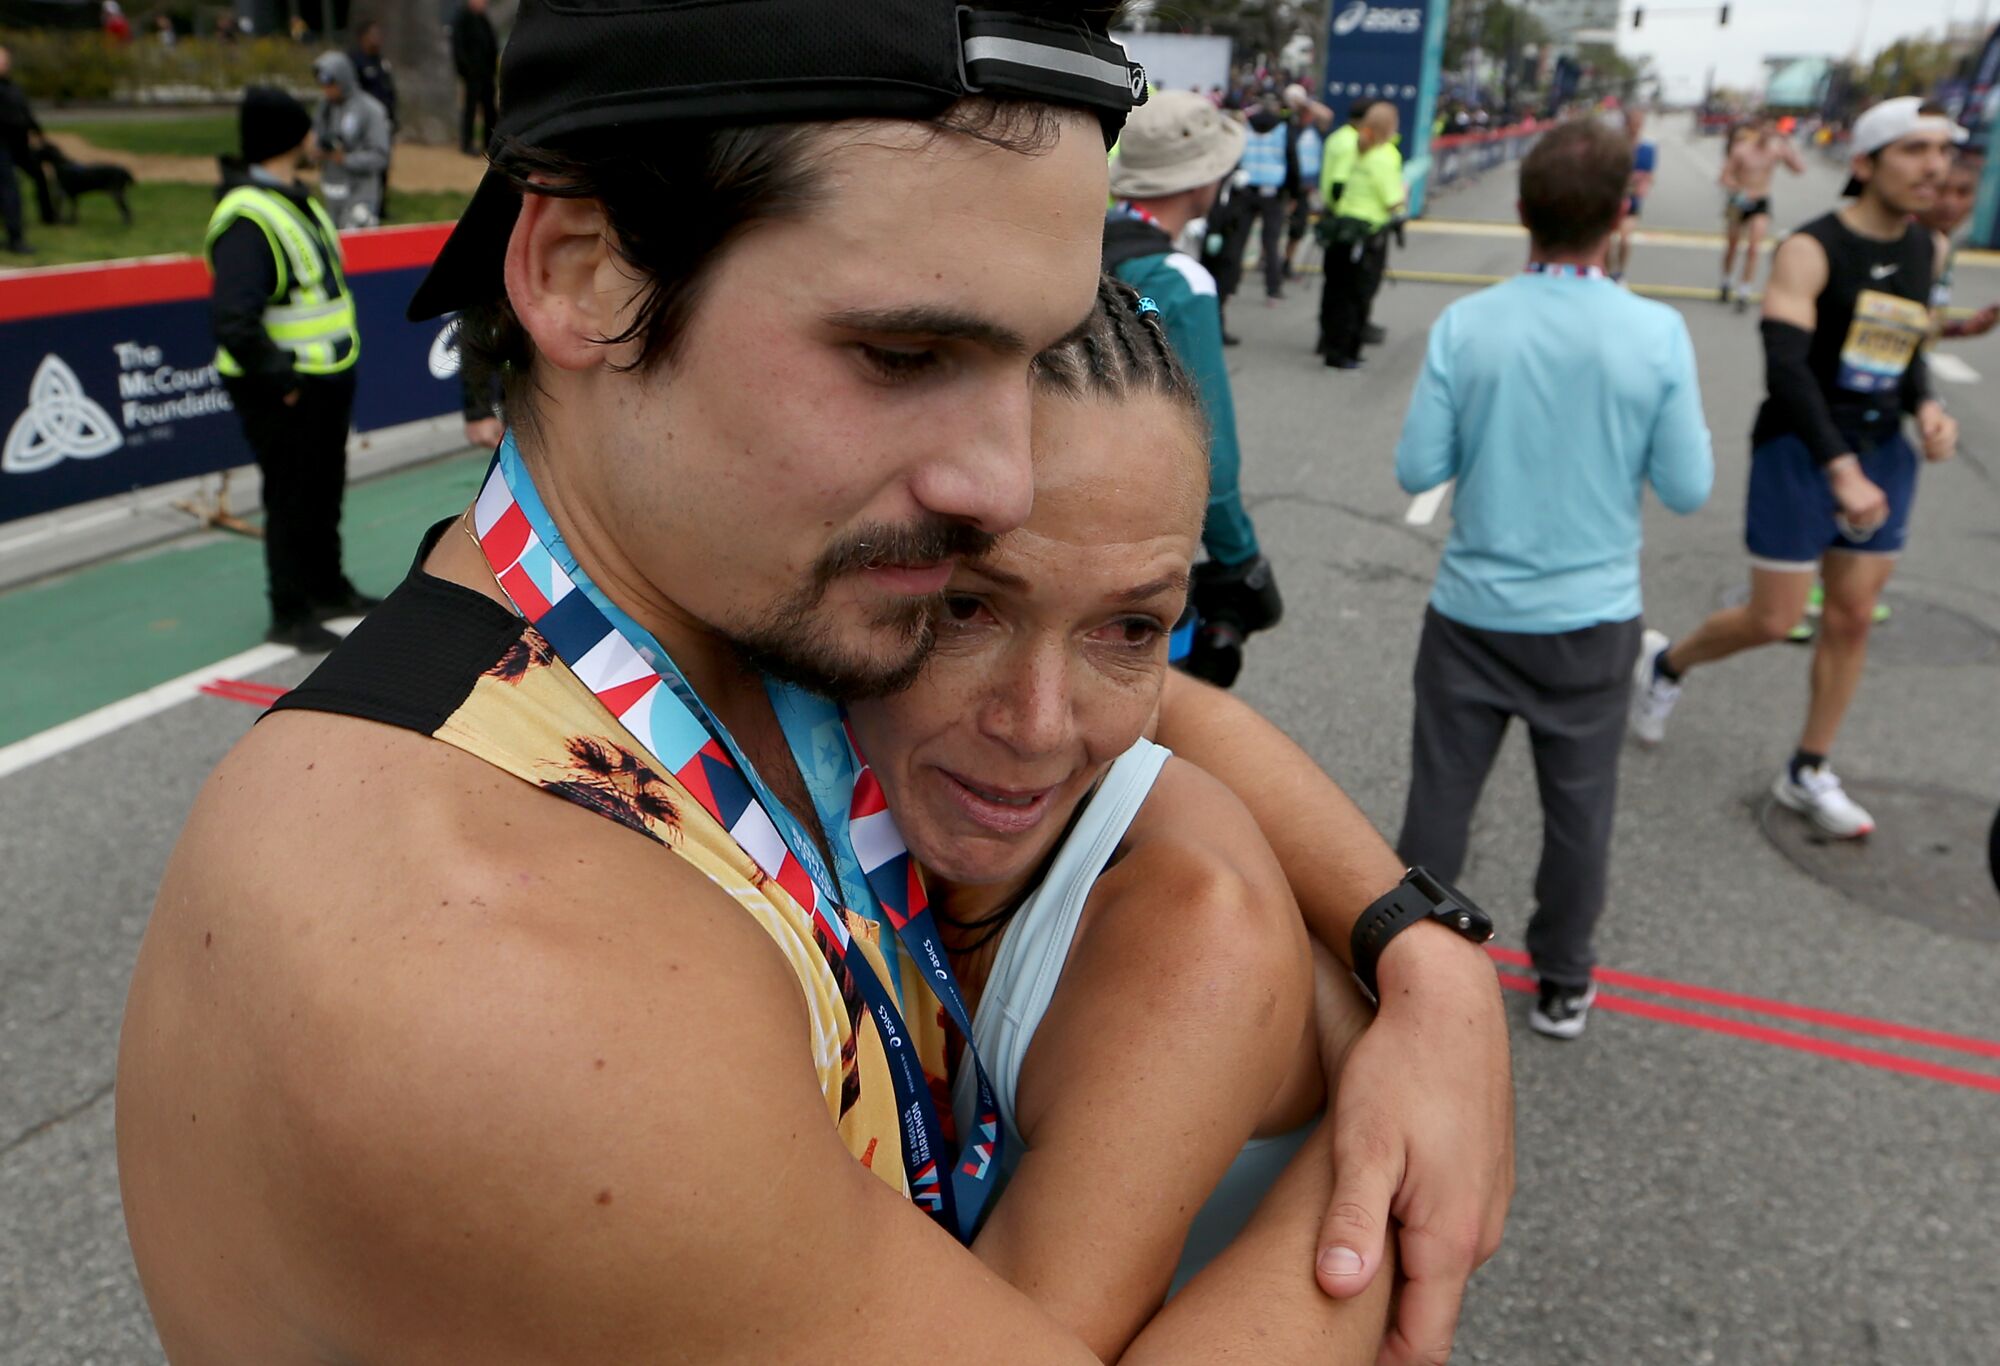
x=115, y=715
x=1426, y=504
x=1949, y=367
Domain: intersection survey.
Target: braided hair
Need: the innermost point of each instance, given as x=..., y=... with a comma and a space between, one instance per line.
x=1122, y=349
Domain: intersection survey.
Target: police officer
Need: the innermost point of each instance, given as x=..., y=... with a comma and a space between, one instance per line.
x=286, y=344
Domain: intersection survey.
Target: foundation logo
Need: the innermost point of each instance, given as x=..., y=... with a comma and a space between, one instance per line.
x=61, y=422
x=444, y=359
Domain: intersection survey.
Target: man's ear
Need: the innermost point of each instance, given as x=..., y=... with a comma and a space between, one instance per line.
x=564, y=281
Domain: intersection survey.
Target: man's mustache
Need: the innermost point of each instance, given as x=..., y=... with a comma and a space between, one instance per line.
x=916, y=543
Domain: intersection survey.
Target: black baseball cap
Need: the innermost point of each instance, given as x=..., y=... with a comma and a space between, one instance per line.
x=575, y=68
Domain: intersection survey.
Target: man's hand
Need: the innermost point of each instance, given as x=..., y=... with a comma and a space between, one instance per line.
x=335, y=155
x=292, y=398
x=1424, y=1133
x=1939, y=430
x=1980, y=323
x=1863, y=505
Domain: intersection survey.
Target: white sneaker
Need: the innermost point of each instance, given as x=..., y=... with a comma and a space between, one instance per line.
x=1653, y=697
x=1818, y=795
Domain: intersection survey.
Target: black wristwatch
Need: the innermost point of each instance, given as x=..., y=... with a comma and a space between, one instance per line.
x=1419, y=896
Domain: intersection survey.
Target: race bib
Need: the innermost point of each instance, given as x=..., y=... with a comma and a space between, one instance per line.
x=1881, y=341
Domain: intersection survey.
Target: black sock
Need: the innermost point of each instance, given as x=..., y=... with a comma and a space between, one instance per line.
x=1661, y=669
x=1805, y=758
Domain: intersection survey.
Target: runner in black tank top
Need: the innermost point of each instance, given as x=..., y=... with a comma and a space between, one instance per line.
x=1832, y=477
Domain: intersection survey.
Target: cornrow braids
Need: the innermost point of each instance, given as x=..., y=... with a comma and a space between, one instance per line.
x=1121, y=349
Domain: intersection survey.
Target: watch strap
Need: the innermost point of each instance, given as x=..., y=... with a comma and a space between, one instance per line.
x=1386, y=917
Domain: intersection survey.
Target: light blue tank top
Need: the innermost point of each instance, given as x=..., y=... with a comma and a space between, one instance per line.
x=1027, y=967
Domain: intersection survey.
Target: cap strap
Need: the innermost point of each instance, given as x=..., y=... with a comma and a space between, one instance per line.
x=1061, y=62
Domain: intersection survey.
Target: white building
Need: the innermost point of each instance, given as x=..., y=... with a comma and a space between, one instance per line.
x=1572, y=23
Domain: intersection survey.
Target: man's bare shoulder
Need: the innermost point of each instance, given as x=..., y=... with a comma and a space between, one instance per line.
x=453, y=1028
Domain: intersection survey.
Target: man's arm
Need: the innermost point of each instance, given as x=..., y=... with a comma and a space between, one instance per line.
x=1680, y=461
x=1791, y=312
x=1194, y=328
x=1423, y=1123
x=371, y=153
x=246, y=274
x=1789, y=154
x=1427, y=451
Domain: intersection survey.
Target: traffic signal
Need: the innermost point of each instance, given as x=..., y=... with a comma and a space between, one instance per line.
x=1638, y=15
x=1725, y=16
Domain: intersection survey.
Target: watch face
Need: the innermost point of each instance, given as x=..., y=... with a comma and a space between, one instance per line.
x=1455, y=909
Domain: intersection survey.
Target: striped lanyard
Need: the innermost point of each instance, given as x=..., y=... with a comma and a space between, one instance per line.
x=1564, y=269
x=1131, y=210
x=630, y=672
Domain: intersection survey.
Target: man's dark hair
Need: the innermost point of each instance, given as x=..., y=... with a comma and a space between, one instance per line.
x=1359, y=110
x=363, y=27
x=1573, y=185
x=674, y=201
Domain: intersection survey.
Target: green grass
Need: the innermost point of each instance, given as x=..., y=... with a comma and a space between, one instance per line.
x=171, y=218
x=196, y=135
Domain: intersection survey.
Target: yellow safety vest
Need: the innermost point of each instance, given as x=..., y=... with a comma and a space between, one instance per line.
x=311, y=313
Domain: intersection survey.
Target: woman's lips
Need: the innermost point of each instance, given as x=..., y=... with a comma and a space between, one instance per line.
x=1004, y=811
x=910, y=580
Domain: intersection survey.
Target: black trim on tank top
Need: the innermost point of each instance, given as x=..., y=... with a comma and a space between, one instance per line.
x=414, y=660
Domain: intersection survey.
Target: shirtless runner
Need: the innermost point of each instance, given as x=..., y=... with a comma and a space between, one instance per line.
x=520, y=991
x=1755, y=153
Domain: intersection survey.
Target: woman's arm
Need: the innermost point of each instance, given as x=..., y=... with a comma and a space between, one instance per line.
x=1258, y=1303
x=1179, y=1012
x=1425, y=1117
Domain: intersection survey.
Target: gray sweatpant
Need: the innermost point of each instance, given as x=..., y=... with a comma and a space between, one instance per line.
x=1571, y=688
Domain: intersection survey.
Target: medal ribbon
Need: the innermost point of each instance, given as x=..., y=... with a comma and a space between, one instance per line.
x=638, y=683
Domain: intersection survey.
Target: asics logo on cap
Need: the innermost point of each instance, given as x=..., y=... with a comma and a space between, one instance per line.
x=1136, y=77
x=1881, y=272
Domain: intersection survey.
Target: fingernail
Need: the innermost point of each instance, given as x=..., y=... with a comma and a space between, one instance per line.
x=1340, y=1261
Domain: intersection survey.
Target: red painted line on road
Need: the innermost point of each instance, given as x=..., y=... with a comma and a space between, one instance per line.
x=236, y=690
x=1784, y=1010
x=1778, y=1038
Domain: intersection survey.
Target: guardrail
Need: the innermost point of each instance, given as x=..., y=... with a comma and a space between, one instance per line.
x=1458, y=157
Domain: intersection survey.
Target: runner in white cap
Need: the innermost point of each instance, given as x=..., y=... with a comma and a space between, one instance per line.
x=1832, y=478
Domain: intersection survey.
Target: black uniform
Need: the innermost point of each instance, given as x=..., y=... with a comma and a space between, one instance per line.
x=475, y=54
x=17, y=122
x=300, y=447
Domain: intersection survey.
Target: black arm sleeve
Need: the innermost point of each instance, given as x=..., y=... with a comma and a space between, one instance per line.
x=1792, y=386
x=245, y=277
x=1916, y=386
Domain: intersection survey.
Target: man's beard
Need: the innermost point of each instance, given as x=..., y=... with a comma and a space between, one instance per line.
x=796, y=643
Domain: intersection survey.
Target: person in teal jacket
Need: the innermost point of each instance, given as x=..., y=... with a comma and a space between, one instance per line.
x=1176, y=151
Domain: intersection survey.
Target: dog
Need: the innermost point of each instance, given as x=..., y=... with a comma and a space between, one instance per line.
x=76, y=179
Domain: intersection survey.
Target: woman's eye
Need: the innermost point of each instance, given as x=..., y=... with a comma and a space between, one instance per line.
x=1133, y=633
x=892, y=363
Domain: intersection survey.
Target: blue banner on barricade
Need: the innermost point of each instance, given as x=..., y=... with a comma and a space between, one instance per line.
x=108, y=382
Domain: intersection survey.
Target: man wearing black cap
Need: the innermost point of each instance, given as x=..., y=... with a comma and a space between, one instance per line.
x=608, y=1023
x=286, y=345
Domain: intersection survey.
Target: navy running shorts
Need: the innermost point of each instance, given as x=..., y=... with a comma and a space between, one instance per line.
x=1789, y=517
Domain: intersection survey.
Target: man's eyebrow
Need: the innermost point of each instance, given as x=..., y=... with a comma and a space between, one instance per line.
x=922, y=320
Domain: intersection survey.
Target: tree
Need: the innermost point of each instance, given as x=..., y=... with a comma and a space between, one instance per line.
x=1257, y=27
x=1495, y=28
x=426, y=88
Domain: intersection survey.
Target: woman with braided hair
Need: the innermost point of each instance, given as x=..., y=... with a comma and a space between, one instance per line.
x=1141, y=983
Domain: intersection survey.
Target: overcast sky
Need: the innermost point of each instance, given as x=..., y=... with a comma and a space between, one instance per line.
x=1684, y=46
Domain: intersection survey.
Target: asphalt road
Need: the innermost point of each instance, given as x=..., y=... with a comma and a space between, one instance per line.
x=1691, y=1189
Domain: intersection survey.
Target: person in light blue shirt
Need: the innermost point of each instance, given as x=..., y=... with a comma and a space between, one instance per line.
x=1551, y=401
